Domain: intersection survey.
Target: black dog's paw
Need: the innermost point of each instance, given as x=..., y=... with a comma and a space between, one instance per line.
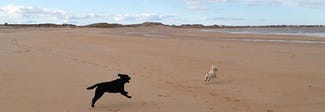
x=129, y=97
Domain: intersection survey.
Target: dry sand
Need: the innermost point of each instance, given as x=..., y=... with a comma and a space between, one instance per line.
x=48, y=70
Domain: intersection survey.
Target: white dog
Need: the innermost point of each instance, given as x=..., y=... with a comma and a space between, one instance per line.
x=211, y=74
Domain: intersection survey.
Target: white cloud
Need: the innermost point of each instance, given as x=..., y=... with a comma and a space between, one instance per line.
x=194, y=5
x=319, y=4
x=19, y=14
x=204, y=18
x=85, y=17
x=29, y=11
x=228, y=19
x=30, y=21
x=31, y=14
x=139, y=17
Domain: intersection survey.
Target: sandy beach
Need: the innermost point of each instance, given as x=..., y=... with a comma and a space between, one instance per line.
x=49, y=69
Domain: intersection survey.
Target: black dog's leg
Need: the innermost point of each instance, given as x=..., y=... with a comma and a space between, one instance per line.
x=98, y=94
x=124, y=93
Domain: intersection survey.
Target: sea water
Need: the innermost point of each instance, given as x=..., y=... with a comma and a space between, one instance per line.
x=299, y=31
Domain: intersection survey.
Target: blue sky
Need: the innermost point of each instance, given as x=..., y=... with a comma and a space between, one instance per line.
x=207, y=12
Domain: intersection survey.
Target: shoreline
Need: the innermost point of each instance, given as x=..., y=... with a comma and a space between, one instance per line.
x=273, y=31
x=224, y=36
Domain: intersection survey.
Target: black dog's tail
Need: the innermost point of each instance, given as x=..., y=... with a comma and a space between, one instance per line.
x=92, y=87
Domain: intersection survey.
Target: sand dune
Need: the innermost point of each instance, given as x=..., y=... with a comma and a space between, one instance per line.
x=48, y=70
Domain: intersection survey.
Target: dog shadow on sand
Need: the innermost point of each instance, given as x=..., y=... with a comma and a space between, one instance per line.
x=119, y=106
x=217, y=82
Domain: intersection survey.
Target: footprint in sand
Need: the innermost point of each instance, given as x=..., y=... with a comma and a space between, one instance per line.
x=22, y=51
x=114, y=110
x=213, y=94
x=232, y=100
x=160, y=95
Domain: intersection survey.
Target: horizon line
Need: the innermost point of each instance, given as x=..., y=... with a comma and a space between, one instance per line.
x=159, y=23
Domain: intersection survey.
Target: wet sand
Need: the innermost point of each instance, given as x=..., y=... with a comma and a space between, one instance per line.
x=48, y=70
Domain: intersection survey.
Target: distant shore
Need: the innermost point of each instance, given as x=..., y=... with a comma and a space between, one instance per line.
x=146, y=24
x=294, y=30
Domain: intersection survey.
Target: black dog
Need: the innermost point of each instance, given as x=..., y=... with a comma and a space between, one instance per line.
x=115, y=86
